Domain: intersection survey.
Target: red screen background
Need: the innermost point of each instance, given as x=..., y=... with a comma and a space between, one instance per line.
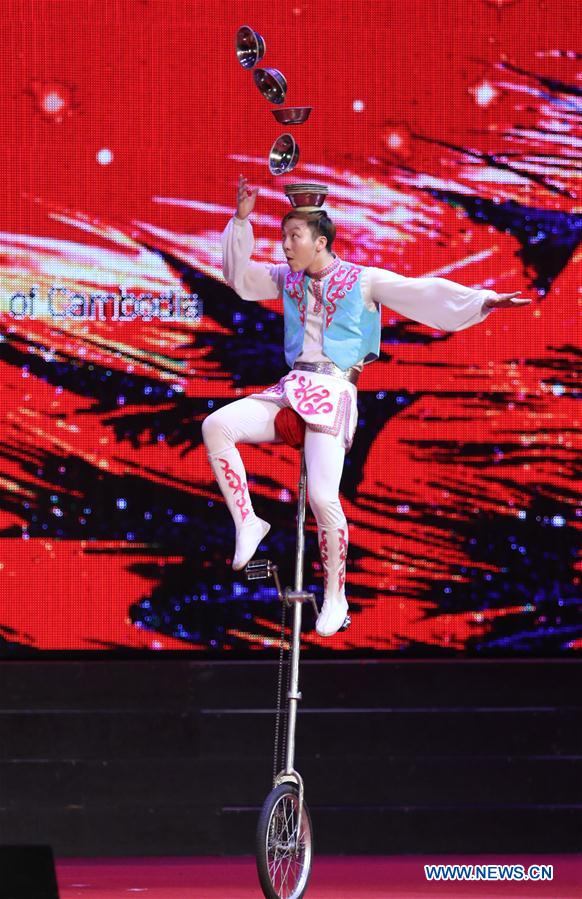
x=449, y=135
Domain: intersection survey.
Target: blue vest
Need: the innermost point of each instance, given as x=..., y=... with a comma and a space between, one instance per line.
x=351, y=331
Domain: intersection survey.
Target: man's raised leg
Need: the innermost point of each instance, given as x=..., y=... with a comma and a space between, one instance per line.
x=245, y=421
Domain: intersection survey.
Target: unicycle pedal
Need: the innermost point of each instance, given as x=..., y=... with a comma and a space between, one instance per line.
x=259, y=569
x=262, y=570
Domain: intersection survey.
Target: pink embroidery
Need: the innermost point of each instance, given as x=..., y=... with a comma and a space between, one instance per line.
x=340, y=283
x=324, y=556
x=296, y=289
x=276, y=392
x=342, y=404
x=317, y=278
x=324, y=553
x=342, y=417
x=237, y=486
x=318, y=297
x=277, y=389
x=312, y=398
x=343, y=548
x=324, y=272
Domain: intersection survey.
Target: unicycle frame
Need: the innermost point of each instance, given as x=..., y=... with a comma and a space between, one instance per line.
x=295, y=598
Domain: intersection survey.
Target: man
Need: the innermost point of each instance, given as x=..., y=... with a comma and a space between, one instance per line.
x=332, y=328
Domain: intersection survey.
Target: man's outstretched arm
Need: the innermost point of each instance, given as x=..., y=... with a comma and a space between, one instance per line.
x=251, y=280
x=437, y=302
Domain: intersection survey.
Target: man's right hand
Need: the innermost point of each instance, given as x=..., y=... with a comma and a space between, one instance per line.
x=246, y=198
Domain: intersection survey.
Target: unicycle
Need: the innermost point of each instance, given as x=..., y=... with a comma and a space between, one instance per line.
x=284, y=841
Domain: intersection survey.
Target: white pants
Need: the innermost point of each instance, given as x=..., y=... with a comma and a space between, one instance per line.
x=252, y=420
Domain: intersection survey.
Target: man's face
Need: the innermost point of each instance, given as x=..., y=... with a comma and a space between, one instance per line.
x=299, y=246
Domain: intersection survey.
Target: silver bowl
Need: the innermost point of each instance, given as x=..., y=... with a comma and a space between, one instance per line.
x=284, y=155
x=292, y=115
x=308, y=197
x=272, y=84
x=250, y=47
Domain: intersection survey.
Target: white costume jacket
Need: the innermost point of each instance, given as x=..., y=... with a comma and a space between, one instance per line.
x=334, y=316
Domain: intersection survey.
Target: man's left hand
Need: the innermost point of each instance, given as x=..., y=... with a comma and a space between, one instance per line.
x=506, y=301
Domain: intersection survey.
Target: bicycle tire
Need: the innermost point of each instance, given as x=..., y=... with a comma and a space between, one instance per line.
x=283, y=861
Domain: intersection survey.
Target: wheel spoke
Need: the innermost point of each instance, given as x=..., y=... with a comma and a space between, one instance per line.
x=287, y=855
x=290, y=822
x=277, y=870
x=286, y=875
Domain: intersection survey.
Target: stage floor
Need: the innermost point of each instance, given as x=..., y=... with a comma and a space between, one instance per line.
x=340, y=877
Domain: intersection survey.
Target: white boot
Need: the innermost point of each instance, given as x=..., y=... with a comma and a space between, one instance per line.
x=231, y=476
x=333, y=547
x=248, y=538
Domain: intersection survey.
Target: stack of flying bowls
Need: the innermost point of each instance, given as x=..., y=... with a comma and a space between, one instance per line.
x=284, y=154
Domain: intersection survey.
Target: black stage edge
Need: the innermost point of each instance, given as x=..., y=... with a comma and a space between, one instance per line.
x=27, y=872
x=172, y=757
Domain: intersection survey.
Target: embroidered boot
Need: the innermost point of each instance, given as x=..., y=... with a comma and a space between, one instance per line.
x=333, y=547
x=230, y=474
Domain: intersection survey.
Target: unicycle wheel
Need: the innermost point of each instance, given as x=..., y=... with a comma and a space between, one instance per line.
x=283, y=854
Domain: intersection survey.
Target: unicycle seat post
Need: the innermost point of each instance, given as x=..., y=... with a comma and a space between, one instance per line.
x=294, y=695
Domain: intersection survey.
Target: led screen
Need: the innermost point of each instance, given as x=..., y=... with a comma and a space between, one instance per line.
x=449, y=135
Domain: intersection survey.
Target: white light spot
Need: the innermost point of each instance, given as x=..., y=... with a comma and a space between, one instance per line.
x=558, y=389
x=104, y=156
x=558, y=521
x=53, y=102
x=484, y=93
x=358, y=105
